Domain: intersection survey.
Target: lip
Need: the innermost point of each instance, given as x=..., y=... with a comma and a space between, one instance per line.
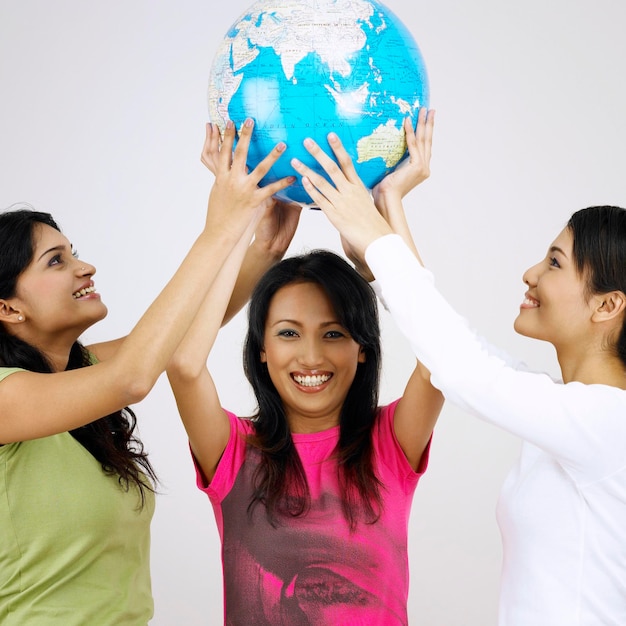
x=314, y=373
x=92, y=295
x=529, y=302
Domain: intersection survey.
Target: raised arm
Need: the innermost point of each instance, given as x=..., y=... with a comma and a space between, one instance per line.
x=37, y=405
x=197, y=399
x=198, y=403
x=421, y=403
x=271, y=240
x=196, y=396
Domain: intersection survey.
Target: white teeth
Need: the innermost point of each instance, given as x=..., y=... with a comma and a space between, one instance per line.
x=311, y=381
x=84, y=292
x=530, y=302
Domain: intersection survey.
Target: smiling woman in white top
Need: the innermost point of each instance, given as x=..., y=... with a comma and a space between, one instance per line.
x=562, y=511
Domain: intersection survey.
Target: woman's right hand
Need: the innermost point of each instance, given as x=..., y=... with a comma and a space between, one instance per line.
x=236, y=197
x=413, y=170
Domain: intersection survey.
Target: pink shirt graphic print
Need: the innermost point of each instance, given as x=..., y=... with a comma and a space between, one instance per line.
x=311, y=569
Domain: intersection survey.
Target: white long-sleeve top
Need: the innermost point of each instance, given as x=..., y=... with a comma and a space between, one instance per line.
x=562, y=510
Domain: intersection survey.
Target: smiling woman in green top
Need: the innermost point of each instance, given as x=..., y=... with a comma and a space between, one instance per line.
x=76, y=488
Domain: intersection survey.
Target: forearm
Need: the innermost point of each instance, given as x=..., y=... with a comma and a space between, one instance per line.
x=390, y=205
x=258, y=259
x=192, y=353
x=564, y=420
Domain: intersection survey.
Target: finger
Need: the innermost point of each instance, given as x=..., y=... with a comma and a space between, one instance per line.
x=243, y=143
x=314, y=178
x=421, y=122
x=411, y=140
x=266, y=164
x=318, y=198
x=272, y=188
x=210, y=150
x=226, y=151
x=329, y=165
x=344, y=159
x=428, y=135
x=207, y=141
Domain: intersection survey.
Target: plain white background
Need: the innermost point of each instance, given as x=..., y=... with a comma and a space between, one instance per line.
x=102, y=112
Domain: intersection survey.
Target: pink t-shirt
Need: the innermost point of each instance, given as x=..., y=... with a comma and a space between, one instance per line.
x=311, y=569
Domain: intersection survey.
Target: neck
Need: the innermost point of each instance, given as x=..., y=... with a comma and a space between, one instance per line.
x=56, y=351
x=311, y=425
x=594, y=369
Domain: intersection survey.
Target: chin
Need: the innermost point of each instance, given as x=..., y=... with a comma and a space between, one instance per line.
x=96, y=317
x=519, y=327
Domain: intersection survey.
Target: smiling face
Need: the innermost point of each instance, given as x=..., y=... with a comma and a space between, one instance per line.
x=556, y=307
x=311, y=358
x=55, y=294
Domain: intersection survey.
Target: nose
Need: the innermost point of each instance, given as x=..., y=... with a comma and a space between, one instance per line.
x=85, y=269
x=531, y=275
x=310, y=354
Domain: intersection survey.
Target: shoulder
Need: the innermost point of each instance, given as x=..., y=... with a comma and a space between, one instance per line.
x=389, y=451
x=244, y=425
x=384, y=417
x=7, y=371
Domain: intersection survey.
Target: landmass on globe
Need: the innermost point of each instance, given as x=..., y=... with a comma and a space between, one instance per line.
x=301, y=68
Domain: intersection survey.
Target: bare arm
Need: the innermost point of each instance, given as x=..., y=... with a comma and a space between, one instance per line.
x=197, y=399
x=271, y=240
x=37, y=405
x=421, y=403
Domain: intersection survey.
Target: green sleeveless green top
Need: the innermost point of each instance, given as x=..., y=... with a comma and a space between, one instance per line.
x=74, y=545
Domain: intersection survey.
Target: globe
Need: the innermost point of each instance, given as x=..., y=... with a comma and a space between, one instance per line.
x=304, y=68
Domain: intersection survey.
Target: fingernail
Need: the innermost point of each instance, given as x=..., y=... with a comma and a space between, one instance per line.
x=308, y=143
x=229, y=124
x=281, y=146
x=296, y=162
x=249, y=122
x=332, y=138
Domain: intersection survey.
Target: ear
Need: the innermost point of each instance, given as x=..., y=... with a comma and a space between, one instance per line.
x=361, y=355
x=9, y=314
x=263, y=357
x=609, y=306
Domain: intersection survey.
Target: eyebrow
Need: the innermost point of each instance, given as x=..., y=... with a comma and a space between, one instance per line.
x=297, y=323
x=55, y=249
x=557, y=249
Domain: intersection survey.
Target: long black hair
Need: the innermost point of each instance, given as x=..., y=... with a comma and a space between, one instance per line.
x=111, y=439
x=280, y=481
x=599, y=250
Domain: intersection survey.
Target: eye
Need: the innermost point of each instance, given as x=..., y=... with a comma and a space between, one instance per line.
x=335, y=334
x=75, y=252
x=55, y=260
x=554, y=262
x=288, y=333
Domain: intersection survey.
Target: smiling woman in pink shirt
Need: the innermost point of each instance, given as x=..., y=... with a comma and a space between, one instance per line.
x=312, y=493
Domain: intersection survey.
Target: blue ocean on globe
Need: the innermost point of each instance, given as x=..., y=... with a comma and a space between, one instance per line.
x=304, y=68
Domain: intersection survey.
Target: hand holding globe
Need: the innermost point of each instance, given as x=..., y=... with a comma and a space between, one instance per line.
x=304, y=68
x=347, y=203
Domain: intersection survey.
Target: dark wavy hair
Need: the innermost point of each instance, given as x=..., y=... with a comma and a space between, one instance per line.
x=111, y=439
x=599, y=250
x=279, y=481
